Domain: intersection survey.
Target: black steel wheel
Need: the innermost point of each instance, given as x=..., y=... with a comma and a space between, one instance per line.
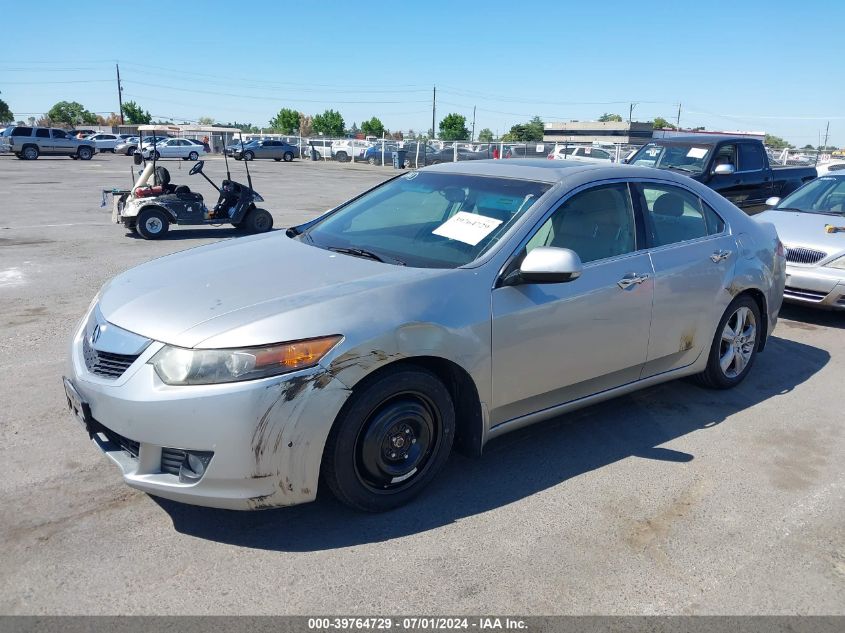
x=258, y=221
x=392, y=438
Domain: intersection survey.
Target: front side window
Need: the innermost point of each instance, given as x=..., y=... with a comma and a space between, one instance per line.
x=42, y=133
x=676, y=215
x=750, y=157
x=597, y=223
x=726, y=155
x=428, y=220
x=59, y=134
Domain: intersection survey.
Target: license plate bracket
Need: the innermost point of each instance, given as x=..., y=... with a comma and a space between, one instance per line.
x=78, y=407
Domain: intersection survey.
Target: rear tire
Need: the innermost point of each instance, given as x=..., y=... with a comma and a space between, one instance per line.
x=152, y=224
x=734, y=346
x=257, y=221
x=85, y=153
x=193, y=156
x=390, y=440
x=30, y=152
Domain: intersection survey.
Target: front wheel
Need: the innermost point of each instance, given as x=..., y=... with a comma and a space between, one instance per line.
x=152, y=224
x=341, y=157
x=287, y=157
x=248, y=155
x=258, y=221
x=734, y=346
x=391, y=439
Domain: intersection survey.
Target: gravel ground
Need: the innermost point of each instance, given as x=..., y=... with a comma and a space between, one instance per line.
x=675, y=500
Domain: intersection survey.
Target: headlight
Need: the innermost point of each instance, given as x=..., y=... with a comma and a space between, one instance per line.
x=181, y=366
x=837, y=263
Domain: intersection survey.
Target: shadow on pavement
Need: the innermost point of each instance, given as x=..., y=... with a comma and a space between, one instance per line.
x=519, y=464
x=205, y=233
x=811, y=316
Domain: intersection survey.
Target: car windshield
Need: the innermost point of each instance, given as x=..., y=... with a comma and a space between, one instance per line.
x=822, y=195
x=427, y=219
x=682, y=156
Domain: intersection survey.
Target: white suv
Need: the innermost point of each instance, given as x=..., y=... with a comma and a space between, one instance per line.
x=345, y=149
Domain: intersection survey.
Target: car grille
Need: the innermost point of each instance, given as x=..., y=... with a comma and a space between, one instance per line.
x=105, y=364
x=799, y=255
x=799, y=293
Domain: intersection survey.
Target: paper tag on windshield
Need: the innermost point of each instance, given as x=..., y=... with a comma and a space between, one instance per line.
x=469, y=228
x=697, y=152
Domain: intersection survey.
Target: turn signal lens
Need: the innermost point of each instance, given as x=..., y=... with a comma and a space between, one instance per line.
x=180, y=366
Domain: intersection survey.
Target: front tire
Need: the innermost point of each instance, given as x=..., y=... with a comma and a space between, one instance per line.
x=152, y=224
x=193, y=156
x=734, y=346
x=287, y=157
x=248, y=155
x=258, y=221
x=390, y=440
x=341, y=157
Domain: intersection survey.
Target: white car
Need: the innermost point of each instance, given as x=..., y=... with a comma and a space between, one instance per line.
x=345, y=149
x=174, y=148
x=105, y=142
x=582, y=153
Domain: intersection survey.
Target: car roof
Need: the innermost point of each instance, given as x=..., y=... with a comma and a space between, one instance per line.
x=700, y=138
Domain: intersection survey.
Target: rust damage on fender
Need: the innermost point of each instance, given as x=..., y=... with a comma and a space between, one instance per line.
x=687, y=342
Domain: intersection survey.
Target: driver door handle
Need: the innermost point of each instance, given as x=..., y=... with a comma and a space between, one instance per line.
x=719, y=256
x=631, y=279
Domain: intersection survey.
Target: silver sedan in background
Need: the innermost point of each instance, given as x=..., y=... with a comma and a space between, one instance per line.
x=442, y=308
x=811, y=223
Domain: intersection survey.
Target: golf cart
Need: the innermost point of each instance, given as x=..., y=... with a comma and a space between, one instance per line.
x=154, y=203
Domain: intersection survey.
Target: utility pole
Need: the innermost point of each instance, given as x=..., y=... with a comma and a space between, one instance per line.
x=826, y=132
x=119, y=94
x=433, y=110
x=472, y=138
x=631, y=112
x=678, y=122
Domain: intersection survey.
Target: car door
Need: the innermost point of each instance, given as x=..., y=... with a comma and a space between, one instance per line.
x=755, y=179
x=45, y=143
x=555, y=343
x=693, y=256
x=61, y=143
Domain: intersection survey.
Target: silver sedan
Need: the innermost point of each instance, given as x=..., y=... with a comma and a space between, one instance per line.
x=811, y=223
x=442, y=308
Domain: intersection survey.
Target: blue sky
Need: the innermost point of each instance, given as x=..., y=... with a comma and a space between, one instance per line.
x=732, y=65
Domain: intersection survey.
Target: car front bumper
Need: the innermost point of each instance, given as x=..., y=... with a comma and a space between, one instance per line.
x=815, y=285
x=266, y=436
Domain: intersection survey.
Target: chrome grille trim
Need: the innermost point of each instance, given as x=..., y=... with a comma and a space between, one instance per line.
x=800, y=255
x=806, y=295
x=105, y=364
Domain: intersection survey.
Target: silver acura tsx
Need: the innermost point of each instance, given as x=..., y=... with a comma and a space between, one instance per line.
x=440, y=309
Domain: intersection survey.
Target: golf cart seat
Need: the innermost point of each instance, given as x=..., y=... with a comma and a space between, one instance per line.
x=163, y=187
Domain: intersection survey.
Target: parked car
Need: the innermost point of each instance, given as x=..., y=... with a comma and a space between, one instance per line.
x=31, y=142
x=583, y=153
x=105, y=142
x=80, y=133
x=277, y=150
x=375, y=156
x=736, y=167
x=149, y=141
x=128, y=146
x=174, y=148
x=343, y=150
x=323, y=148
x=448, y=155
x=811, y=223
x=444, y=307
x=415, y=157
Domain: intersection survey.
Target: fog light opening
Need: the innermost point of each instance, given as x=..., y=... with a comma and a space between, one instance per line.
x=194, y=466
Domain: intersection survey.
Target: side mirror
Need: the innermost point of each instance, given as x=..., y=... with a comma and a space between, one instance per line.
x=773, y=201
x=550, y=265
x=724, y=170
x=137, y=158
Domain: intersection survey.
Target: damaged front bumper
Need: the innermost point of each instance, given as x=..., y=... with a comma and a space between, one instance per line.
x=263, y=439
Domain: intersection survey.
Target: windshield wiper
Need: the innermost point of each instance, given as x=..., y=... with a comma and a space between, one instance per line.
x=360, y=252
x=679, y=168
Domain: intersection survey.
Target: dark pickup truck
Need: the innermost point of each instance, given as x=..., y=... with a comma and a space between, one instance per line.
x=736, y=167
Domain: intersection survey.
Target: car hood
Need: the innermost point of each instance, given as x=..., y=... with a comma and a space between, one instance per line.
x=796, y=228
x=259, y=290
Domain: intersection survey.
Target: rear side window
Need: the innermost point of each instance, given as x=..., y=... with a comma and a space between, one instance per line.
x=42, y=133
x=750, y=157
x=22, y=131
x=676, y=215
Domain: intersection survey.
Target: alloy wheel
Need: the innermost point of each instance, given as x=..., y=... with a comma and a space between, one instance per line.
x=739, y=336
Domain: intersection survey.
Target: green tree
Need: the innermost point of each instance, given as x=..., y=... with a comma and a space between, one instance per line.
x=453, y=127
x=286, y=121
x=71, y=113
x=243, y=127
x=373, y=127
x=775, y=142
x=5, y=113
x=485, y=135
x=660, y=123
x=205, y=120
x=607, y=117
x=329, y=123
x=134, y=114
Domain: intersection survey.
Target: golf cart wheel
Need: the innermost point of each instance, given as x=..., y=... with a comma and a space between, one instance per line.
x=390, y=440
x=30, y=152
x=248, y=155
x=193, y=156
x=288, y=157
x=258, y=221
x=152, y=224
x=85, y=153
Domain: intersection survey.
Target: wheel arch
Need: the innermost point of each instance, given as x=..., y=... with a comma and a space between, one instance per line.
x=760, y=299
x=156, y=207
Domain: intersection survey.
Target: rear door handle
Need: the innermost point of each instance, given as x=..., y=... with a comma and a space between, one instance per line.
x=719, y=256
x=631, y=279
